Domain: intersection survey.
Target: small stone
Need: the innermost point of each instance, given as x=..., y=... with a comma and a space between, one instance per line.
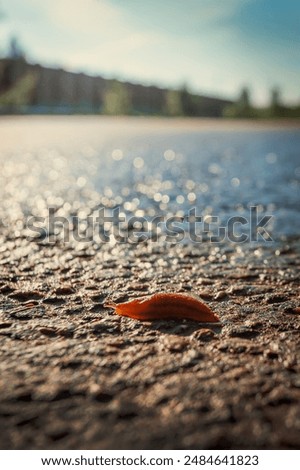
x=53, y=300
x=242, y=332
x=221, y=295
x=275, y=298
x=279, y=396
x=98, y=298
x=204, y=335
x=177, y=344
x=101, y=395
x=293, y=310
x=6, y=289
x=67, y=332
x=206, y=294
x=21, y=315
x=57, y=432
x=5, y=325
x=125, y=410
x=26, y=295
x=48, y=331
x=65, y=290
x=271, y=354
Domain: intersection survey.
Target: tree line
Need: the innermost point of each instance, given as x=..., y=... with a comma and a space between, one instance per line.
x=243, y=108
x=29, y=88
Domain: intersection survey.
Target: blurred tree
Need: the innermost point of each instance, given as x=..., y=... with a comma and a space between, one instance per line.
x=189, y=107
x=15, y=51
x=242, y=108
x=244, y=100
x=275, y=109
x=116, y=99
x=20, y=94
x=174, y=105
x=275, y=97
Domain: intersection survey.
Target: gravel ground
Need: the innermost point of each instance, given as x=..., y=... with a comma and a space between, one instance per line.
x=76, y=376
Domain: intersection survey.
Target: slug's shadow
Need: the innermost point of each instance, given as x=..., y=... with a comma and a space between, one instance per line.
x=184, y=328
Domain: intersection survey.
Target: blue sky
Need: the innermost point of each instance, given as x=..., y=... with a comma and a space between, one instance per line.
x=215, y=46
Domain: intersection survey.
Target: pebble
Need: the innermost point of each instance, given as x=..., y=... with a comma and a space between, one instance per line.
x=5, y=325
x=65, y=290
x=221, y=295
x=48, y=331
x=242, y=332
x=26, y=295
x=204, y=335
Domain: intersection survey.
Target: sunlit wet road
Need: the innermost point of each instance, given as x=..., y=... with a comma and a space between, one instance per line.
x=149, y=168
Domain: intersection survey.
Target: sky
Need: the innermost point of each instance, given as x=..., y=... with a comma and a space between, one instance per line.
x=214, y=46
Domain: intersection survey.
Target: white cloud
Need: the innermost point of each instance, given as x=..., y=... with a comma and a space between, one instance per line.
x=87, y=27
x=83, y=16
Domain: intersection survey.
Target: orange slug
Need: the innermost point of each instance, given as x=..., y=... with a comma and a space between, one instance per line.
x=167, y=305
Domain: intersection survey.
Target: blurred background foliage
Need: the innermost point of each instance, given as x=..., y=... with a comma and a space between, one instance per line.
x=116, y=99
x=32, y=88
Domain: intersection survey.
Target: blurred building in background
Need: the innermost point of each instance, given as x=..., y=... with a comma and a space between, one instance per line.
x=32, y=88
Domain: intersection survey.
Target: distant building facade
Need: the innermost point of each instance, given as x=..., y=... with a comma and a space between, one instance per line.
x=42, y=89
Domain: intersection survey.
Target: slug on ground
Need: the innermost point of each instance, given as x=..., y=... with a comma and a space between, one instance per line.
x=165, y=305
